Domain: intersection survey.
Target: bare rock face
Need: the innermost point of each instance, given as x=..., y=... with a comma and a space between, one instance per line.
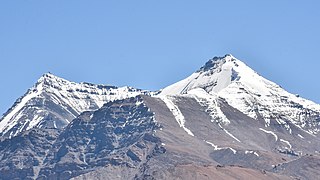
x=223, y=122
x=121, y=133
x=23, y=156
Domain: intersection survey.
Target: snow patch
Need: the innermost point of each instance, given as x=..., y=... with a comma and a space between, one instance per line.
x=300, y=136
x=270, y=132
x=35, y=121
x=231, y=135
x=25, y=123
x=252, y=152
x=287, y=142
x=233, y=150
x=213, y=145
x=216, y=148
x=176, y=113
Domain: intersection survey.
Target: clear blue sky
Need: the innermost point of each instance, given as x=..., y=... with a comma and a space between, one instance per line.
x=150, y=44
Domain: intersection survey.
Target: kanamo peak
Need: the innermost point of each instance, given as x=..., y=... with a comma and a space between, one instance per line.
x=243, y=88
x=214, y=76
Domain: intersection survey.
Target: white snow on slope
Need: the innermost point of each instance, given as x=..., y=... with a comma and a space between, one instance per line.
x=300, y=136
x=253, y=94
x=213, y=145
x=231, y=135
x=216, y=148
x=286, y=142
x=270, y=132
x=252, y=152
x=176, y=113
x=5, y=122
x=210, y=81
x=233, y=150
x=205, y=99
x=211, y=102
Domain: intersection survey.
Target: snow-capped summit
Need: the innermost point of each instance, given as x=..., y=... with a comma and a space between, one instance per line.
x=53, y=102
x=50, y=76
x=231, y=79
x=214, y=76
x=216, y=61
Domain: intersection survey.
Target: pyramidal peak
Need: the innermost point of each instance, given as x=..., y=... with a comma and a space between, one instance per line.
x=214, y=76
x=217, y=61
x=49, y=81
x=241, y=87
x=47, y=77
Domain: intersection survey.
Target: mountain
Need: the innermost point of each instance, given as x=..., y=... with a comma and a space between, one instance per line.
x=224, y=121
x=250, y=93
x=53, y=102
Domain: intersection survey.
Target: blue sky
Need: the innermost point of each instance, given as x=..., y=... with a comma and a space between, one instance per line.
x=150, y=44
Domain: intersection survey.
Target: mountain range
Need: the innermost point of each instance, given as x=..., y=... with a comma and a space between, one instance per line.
x=224, y=121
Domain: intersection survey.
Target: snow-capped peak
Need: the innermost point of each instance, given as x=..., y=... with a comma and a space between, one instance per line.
x=217, y=61
x=247, y=91
x=53, y=102
x=214, y=76
x=49, y=75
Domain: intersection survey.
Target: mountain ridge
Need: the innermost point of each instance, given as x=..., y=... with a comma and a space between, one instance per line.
x=69, y=98
x=223, y=121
